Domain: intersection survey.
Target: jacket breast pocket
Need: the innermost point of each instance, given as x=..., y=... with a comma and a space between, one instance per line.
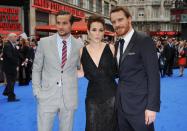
x=131, y=53
x=132, y=58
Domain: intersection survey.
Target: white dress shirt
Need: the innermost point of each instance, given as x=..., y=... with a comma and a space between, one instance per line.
x=60, y=45
x=127, y=39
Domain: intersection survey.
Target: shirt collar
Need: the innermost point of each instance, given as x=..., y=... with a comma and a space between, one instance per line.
x=59, y=39
x=128, y=36
x=170, y=44
x=13, y=44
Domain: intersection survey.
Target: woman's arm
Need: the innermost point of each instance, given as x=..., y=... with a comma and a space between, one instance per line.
x=112, y=48
x=80, y=71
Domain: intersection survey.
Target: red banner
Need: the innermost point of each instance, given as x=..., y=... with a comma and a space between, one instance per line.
x=178, y=11
x=10, y=26
x=9, y=19
x=161, y=33
x=9, y=10
x=56, y=7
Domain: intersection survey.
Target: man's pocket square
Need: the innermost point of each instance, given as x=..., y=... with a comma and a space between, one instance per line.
x=131, y=53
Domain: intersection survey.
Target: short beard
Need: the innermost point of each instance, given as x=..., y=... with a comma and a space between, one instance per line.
x=124, y=33
x=64, y=35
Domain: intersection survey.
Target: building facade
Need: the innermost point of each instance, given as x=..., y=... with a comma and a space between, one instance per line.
x=43, y=12
x=179, y=15
x=152, y=16
x=38, y=17
x=14, y=16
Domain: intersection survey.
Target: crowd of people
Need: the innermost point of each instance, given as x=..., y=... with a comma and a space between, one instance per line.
x=16, y=58
x=128, y=104
x=131, y=103
x=171, y=53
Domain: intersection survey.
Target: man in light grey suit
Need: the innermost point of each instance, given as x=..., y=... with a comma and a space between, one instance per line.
x=54, y=76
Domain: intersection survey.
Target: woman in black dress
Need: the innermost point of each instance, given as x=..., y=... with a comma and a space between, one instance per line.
x=23, y=63
x=99, y=67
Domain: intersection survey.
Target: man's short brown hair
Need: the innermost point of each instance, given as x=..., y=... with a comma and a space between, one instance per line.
x=72, y=18
x=120, y=8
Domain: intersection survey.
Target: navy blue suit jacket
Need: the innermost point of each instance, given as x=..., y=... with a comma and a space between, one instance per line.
x=139, y=78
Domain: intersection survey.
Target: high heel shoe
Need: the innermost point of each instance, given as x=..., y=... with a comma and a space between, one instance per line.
x=180, y=75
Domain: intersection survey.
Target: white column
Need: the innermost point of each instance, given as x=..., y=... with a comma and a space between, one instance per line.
x=103, y=6
x=94, y=5
x=52, y=19
x=32, y=18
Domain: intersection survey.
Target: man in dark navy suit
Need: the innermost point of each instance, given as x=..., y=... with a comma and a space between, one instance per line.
x=169, y=52
x=138, y=93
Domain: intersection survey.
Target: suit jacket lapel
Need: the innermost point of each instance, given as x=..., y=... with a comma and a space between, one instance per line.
x=116, y=48
x=71, y=52
x=14, y=50
x=11, y=45
x=129, y=47
x=54, y=48
x=71, y=49
x=116, y=51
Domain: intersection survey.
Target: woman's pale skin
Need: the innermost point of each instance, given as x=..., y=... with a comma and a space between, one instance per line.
x=96, y=46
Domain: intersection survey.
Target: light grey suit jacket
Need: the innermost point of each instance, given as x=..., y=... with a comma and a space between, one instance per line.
x=47, y=72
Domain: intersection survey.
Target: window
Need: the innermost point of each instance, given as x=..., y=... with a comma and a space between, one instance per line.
x=80, y=3
x=112, y=6
x=106, y=8
x=141, y=12
x=125, y=1
x=42, y=18
x=167, y=13
x=155, y=13
x=99, y=6
x=90, y=5
x=65, y=0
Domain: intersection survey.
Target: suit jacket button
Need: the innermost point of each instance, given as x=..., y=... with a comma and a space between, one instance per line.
x=61, y=71
x=57, y=83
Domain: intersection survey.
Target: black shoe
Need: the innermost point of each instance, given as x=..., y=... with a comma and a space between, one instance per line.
x=180, y=75
x=5, y=94
x=13, y=100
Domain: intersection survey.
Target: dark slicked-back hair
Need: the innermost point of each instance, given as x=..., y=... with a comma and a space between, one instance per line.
x=95, y=18
x=72, y=18
x=120, y=8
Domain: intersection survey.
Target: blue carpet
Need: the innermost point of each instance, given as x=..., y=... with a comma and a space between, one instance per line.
x=21, y=116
